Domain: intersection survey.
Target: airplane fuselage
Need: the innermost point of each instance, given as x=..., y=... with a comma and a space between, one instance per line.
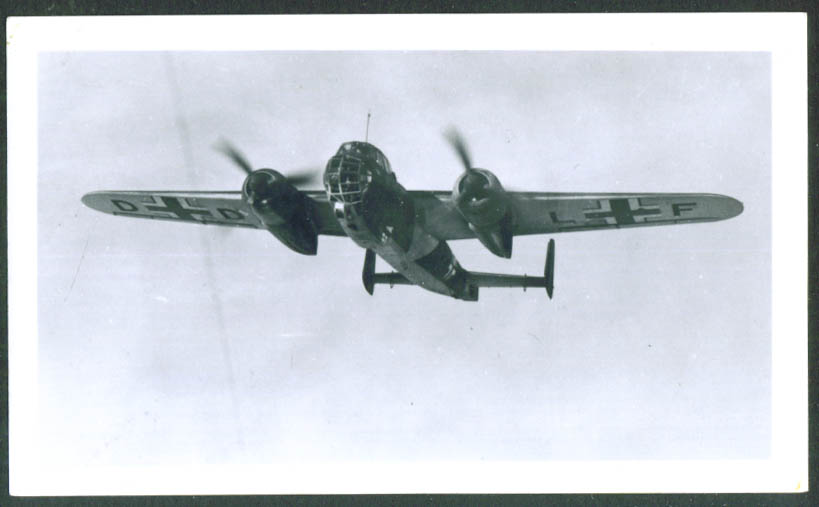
x=377, y=213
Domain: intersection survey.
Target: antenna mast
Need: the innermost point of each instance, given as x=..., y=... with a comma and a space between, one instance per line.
x=367, y=132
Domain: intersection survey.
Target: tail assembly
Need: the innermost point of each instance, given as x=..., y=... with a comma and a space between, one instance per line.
x=469, y=281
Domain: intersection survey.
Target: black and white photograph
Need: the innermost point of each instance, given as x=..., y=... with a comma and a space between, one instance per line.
x=429, y=265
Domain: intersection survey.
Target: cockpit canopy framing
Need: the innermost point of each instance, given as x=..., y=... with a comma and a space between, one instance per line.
x=351, y=170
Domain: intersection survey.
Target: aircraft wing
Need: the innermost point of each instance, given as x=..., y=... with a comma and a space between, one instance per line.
x=548, y=213
x=216, y=208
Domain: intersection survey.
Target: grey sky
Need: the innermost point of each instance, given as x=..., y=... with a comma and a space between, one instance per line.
x=172, y=343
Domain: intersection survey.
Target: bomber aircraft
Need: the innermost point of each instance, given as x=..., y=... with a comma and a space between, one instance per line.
x=409, y=229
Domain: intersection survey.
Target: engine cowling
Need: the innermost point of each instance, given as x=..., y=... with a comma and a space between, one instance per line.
x=286, y=212
x=482, y=201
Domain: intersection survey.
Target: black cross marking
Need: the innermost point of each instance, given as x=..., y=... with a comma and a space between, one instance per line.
x=172, y=206
x=621, y=212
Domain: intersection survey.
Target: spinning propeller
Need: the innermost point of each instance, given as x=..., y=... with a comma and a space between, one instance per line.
x=482, y=202
x=473, y=183
x=296, y=178
x=285, y=211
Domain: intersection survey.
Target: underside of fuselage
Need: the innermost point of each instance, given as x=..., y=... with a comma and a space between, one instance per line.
x=377, y=213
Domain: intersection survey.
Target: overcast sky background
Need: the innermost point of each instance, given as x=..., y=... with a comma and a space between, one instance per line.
x=175, y=343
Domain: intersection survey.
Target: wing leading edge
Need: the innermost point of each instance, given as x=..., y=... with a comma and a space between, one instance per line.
x=548, y=213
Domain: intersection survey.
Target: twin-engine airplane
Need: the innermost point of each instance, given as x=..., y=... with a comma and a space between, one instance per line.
x=362, y=199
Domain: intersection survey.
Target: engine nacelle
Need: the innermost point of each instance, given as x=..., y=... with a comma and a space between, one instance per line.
x=481, y=200
x=285, y=211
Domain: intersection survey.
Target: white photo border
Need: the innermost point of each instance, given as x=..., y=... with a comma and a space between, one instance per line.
x=783, y=35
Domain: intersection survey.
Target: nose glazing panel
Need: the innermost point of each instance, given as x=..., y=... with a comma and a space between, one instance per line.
x=345, y=179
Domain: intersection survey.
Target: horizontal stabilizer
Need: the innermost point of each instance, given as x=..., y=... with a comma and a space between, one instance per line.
x=391, y=278
x=384, y=279
x=497, y=280
x=371, y=278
